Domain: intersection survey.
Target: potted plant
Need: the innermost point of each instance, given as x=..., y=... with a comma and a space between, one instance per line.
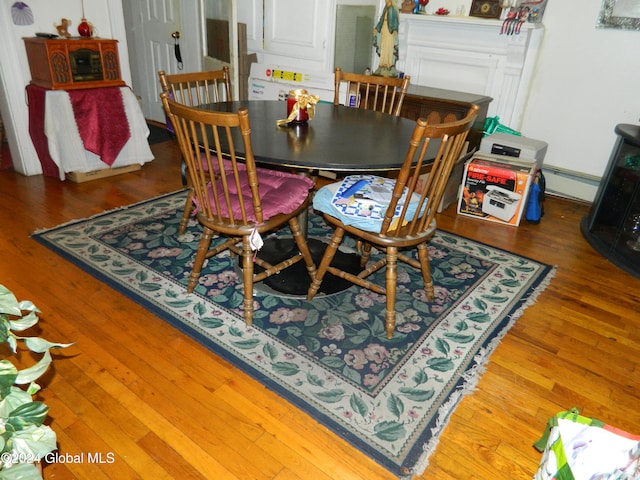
x=24, y=439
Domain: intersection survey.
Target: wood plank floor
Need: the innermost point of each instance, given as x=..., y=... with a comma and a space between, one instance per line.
x=156, y=405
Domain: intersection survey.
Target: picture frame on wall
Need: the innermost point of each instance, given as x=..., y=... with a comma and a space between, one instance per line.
x=622, y=14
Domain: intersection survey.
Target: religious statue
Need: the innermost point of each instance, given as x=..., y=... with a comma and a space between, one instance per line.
x=385, y=40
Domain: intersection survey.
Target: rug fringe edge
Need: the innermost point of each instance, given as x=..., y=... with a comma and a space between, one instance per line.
x=472, y=377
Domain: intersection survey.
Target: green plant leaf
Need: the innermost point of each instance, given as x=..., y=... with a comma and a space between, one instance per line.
x=21, y=471
x=32, y=373
x=27, y=321
x=28, y=306
x=8, y=375
x=40, y=345
x=34, y=442
x=32, y=413
x=8, y=302
x=13, y=400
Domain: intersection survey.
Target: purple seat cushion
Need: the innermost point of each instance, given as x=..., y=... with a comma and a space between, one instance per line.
x=281, y=192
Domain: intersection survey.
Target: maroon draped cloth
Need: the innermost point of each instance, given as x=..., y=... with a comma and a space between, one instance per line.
x=35, y=100
x=102, y=121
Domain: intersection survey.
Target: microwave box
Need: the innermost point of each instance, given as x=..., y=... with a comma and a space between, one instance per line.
x=509, y=145
x=495, y=188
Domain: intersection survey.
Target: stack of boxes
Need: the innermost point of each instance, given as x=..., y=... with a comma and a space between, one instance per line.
x=497, y=180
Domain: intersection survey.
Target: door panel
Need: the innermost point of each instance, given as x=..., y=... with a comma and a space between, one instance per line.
x=151, y=23
x=296, y=28
x=160, y=19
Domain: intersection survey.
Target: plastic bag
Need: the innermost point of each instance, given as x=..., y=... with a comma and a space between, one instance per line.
x=493, y=125
x=580, y=448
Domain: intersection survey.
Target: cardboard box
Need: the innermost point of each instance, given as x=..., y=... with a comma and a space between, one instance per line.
x=495, y=188
x=450, y=194
x=353, y=96
x=81, y=177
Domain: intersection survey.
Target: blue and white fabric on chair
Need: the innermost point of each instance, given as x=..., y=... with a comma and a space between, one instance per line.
x=361, y=201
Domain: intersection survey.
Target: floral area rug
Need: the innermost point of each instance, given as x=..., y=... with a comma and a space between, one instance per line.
x=329, y=356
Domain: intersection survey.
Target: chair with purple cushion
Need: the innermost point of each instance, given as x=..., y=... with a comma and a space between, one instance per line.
x=233, y=198
x=193, y=89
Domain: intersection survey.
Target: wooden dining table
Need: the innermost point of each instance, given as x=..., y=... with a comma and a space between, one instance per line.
x=337, y=139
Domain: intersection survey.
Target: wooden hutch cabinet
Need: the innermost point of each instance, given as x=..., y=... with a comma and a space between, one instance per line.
x=437, y=106
x=74, y=63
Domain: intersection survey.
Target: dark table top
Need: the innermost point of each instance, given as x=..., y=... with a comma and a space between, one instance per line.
x=336, y=139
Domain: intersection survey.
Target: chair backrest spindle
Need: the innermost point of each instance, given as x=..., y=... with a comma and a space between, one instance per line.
x=382, y=94
x=201, y=134
x=197, y=88
x=425, y=195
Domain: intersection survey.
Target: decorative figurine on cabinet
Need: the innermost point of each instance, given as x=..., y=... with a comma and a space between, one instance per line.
x=385, y=39
x=407, y=6
x=63, y=28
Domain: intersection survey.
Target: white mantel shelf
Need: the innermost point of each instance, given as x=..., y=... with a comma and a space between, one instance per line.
x=466, y=20
x=469, y=54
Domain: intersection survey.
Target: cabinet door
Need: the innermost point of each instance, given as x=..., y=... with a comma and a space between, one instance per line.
x=297, y=28
x=250, y=13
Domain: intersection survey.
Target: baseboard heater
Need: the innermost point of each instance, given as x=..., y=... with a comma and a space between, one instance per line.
x=570, y=184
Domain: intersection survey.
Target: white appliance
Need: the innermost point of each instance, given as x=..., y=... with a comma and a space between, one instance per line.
x=500, y=203
x=509, y=145
x=273, y=82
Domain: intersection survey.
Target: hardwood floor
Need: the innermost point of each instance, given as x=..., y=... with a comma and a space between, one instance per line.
x=155, y=404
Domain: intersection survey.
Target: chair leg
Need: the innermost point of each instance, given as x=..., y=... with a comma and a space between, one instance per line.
x=301, y=242
x=425, y=266
x=327, y=257
x=391, y=278
x=247, y=278
x=365, y=254
x=186, y=214
x=201, y=256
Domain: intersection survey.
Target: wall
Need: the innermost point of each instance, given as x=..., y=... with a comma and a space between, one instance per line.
x=587, y=80
x=107, y=18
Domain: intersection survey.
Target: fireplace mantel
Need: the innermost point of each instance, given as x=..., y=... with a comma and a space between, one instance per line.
x=470, y=54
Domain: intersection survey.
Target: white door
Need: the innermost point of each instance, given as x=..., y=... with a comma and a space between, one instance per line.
x=150, y=26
